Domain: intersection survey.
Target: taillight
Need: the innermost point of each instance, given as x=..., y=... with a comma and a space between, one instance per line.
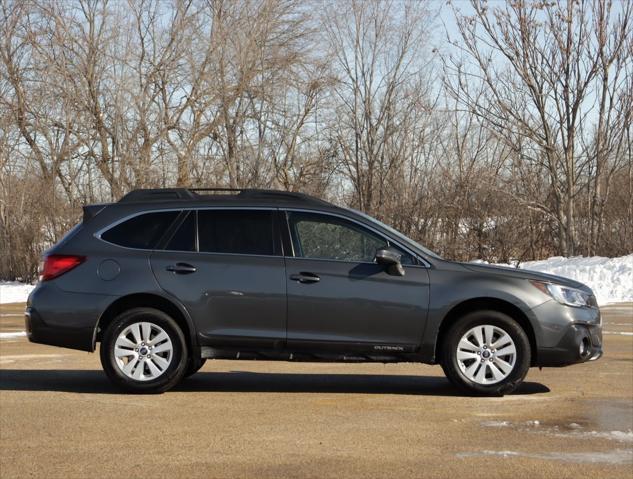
x=57, y=264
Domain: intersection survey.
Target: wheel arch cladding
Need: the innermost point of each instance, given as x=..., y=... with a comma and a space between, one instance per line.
x=147, y=300
x=494, y=304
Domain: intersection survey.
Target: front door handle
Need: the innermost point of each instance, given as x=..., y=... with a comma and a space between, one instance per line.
x=181, y=268
x=305, y=277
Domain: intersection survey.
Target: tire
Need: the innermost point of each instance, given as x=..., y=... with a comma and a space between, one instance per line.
x=148, y=359
x=194, y=366
x=475, y=366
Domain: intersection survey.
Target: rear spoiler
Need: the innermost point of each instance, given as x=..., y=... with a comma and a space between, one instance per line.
x=90, y=211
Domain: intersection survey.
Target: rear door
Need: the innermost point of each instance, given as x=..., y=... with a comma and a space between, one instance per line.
x=339, y=298
x=225, y=266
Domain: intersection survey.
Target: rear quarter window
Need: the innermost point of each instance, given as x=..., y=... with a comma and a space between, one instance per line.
x=142, y=231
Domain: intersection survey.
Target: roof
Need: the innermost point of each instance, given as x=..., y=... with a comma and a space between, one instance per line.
x=248, y=196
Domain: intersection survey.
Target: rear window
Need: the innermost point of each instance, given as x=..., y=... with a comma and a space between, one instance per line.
x=235, y=231
x=142, y=232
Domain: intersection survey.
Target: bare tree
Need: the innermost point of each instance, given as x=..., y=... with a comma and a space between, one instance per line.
x=377, y=48
x=523, y=151
x=530, y=73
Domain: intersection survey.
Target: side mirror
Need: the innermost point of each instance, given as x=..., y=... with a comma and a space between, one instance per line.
x=391, y=260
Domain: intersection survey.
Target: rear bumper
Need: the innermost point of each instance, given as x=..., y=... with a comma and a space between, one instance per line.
x=581, y=343
x=60, y=318
x=38, y=331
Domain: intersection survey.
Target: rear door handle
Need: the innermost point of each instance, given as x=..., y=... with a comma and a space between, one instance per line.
x=181, y=268
x=305, y=277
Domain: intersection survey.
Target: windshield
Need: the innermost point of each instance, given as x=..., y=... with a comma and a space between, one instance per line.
x=405, y=239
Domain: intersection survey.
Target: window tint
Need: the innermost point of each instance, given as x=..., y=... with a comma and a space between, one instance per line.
x=323, y=237
x=185, y=238
x=142, y=231
x=235, y=231
x=327, y=237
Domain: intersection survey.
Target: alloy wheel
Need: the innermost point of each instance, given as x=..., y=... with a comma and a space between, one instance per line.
x=486, y=354
x=143, y=351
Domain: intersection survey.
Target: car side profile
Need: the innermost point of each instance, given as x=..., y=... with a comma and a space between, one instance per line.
x=166, y=279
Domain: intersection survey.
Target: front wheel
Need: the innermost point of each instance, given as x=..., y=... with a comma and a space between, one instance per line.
x=144, y=351
x=486, y=353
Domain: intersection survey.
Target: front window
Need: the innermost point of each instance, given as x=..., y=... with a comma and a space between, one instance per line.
x=318, y=236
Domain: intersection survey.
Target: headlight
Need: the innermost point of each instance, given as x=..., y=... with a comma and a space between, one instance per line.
x=566, y=295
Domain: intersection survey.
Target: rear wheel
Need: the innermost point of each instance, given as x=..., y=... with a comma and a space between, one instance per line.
x=487, y=353
x=144, y=351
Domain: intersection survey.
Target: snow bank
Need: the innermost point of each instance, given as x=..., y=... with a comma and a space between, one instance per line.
x=14, y=292
x=611, y=279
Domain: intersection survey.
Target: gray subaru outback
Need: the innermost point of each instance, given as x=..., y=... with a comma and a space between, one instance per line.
x=166, y=279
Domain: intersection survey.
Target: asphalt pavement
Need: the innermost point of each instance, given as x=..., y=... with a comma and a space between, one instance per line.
x=61, y=418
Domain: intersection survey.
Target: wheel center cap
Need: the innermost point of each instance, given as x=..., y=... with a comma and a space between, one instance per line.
x=485, y=353
x=144, y=351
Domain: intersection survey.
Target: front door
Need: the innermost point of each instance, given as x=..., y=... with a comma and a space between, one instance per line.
x=339, y=298
x=230, y=276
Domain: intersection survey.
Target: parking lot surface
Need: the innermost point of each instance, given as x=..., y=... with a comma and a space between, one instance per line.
x=60, y=417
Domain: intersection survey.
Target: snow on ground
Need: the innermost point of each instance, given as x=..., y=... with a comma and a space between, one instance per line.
x=12, y=335
x=611, y=279
x=14, y=292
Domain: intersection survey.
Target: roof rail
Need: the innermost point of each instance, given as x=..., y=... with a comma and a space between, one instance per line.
x=254, y=192
x=199, y=191
x=157, y=194
x=170, y=194
x=280, y=194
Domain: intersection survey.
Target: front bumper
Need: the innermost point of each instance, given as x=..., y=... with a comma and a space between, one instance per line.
x=566, y=335
x=581, y=343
